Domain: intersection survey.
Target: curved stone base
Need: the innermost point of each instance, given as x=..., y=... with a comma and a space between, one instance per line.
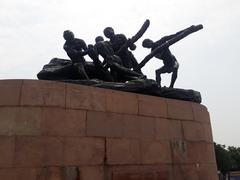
x=52, y=130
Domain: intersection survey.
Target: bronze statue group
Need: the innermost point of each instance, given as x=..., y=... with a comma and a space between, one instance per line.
x=113, y=58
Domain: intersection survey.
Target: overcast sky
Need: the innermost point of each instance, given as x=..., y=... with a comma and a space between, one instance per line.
x=31, y=34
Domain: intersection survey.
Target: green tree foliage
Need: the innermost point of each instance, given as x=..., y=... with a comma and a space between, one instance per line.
x=223, y=158
x=235, y=155
x=228, y=158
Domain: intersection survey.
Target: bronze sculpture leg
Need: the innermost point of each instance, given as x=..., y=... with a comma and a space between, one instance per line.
x=81, y=69
x=174, y=77
x=158, y=74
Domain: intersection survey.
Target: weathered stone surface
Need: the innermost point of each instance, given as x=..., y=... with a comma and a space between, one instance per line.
x=91, y=173
x=43, y=93
x=179, y=151
x=200, y=152
x=141, y=172
x=123, y=151
x=85, y=97
x=155, y=152
x=121, y=102
x=144, y=86
x=104, y=124
x=200, y=113
x=38, y=151
x=51, y=173
x=96, y=133
x=63, y=122
x=19, y=174
x=28, y=121
x=193, y=131
x=186, y=172
x=83, y=151
x=10, y=92
x=7, y=120
x=7, y=148
x=162, y=129
x=7, y=174
x=207, y=172
x=179, y=110
x=132, y=126
x=152, y=106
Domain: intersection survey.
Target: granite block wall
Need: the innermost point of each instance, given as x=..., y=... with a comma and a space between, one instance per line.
x=59, y=131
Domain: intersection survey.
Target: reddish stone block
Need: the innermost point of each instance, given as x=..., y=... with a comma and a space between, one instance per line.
x=144, y=174
x=43, y=93
x=83, y=151
x=7, y=174
x=193, y=152
x=190, y=172
x=208, y=172
x=58, y=173
x=123, y=151
x=179, y=109
x=147, y=127
x=7, y=117
x=208, y=153
x=193, y=131
x=71, y=173
x=164, y=175
x=155, y=152
x=85, y=97
x=20, y=121
x=38, y=151
x=7, y=147
x=175, y=130
x=51, y=173
x=10, y=92
x=91, y=173
x=168, y=129
x=53, y=151
x=25, y=173
x=200, y=113
x=131, y=126
x=138, y=127
x=19, y=174
x=162, y=129
x=152, y=106
x=121, y=102
x=28, y=121
x=104, y=124
x=207, y=132
x=151, y=176
x=200, y=152
x=127, y=176
x=177, y=173
x=179, y=151
x=64, y=122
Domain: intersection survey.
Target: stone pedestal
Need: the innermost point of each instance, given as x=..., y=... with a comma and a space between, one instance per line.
x=58, y=131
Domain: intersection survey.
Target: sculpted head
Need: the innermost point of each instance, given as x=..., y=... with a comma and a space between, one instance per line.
x=147, y=43
x=98, y=39
x=108, y=32
x=68, y=35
